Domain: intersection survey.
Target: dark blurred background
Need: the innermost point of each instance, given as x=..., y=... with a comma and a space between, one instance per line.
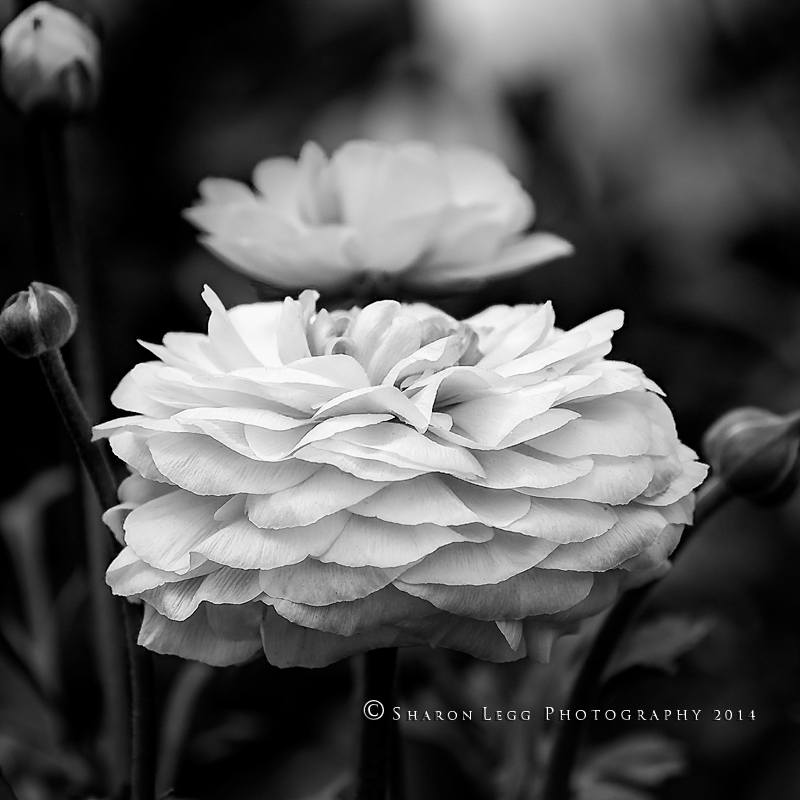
x=662, y=139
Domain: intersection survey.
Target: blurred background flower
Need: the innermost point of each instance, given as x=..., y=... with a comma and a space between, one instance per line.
x=50, y=62
x=374, y=221
x=662, y=140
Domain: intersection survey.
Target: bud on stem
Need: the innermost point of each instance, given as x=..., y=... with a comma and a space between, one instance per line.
x=50, y=62
x=755, y=453
x=38, y=320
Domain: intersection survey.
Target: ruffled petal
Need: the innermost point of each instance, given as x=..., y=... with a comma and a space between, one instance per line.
x=245, y=546
x=315, y=583
x=165, y=531
x=528, y=594
x=327, y=491
x=289, y=645
x=374, y=543
x=385, y=607
x=469, y=564
x=203, y=466
x=638, y=527
x=475, y=637
x=442, y=501
x=223, y=586
x=193, y=638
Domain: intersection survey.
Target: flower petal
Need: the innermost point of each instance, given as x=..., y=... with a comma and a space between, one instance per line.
x=245, y=546
x=374, y=543
x=638, y=527
x=533, y=250
x=471, y=564
x=203, y=466
x=327, y=491
x=165, y=531
x=528, y=594
x=315, y=583
x=289, y=645
x=385, y=607
x=442, y=501
x=194, y=638
x=179, y=600
x=472, y=636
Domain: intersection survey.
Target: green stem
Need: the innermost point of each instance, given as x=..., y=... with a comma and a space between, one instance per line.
x=97, y=466
x=712, y=496
x=377, y=768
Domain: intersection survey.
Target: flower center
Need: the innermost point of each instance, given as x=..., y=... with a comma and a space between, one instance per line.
x=386, y=333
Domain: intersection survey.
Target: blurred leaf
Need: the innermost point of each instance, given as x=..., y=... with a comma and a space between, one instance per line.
x=621, y=770
x=659, y=644
x=611, y=791
x=31, y=739
x=11, y=658
x=336, y=789
x=22, y=526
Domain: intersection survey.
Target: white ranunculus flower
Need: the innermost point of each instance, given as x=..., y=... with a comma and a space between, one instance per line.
x=408, y=215
x=320, y=484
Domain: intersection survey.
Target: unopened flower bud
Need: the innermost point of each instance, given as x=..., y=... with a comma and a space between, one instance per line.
x=50, y=62
x=37, y=320
x=755, y=453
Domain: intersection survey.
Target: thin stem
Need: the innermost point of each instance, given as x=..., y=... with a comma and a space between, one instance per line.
x=143, y=726
x=179, y=711
x=109, y=645
x=92, y=456
x=98, y=468
x=710, y=498
x=6, y=792
x=72, y=267
x=376, y=752
x=56, y=248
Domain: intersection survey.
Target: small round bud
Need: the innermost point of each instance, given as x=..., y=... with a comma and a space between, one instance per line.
x=50, y=62
x=755, y=453
x=40, y=319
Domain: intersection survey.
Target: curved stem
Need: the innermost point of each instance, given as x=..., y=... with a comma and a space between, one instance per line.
x=92, y=456
x=712, y=496
x=56, y=248
x=377, y=768
x=98, y=468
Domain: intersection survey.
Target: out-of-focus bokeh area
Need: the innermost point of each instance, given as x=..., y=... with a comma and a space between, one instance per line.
x=663, y=140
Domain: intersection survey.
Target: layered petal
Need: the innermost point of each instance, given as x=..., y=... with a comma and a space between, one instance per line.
x=317, y=484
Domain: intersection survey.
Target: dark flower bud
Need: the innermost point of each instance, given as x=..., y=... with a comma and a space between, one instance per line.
x=755, y=453
x=50, y=62
x=40, y=319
